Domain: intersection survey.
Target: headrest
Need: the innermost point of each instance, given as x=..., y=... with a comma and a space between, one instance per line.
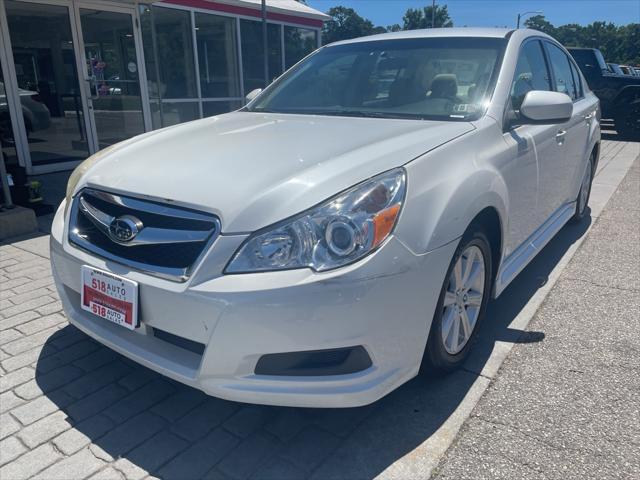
x=444, y=85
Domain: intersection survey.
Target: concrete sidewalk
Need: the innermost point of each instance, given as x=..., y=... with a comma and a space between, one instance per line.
x=568, y=407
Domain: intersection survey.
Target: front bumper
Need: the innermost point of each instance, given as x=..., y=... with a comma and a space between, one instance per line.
x=383, y=303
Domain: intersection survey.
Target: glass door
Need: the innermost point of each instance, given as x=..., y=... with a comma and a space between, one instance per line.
x=111, y=73
x=49, y=91
x=7, y=138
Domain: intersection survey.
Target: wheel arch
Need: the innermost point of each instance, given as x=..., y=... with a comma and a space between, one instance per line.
x=626, y=95
x=595, y=151
x=488, y=219
x=445, y=211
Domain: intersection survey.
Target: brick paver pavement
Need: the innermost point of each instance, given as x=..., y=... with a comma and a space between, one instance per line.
x=71, y=408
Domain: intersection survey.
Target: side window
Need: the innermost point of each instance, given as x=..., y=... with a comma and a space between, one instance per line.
x=561, y=71
x=577, y=80
x=531, y=73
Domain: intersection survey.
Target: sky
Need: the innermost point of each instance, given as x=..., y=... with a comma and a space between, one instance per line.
x=491, y=13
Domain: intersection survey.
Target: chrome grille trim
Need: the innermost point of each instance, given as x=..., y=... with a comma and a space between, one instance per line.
x=147, y=236
x=149, y=206
x=89, y=230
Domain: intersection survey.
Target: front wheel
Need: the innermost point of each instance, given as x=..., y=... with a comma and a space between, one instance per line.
x=462, y=304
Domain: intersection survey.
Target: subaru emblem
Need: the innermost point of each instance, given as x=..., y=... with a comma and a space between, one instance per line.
x=125, y=228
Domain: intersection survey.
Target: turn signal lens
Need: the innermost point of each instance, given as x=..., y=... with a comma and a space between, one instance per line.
x=383, y=223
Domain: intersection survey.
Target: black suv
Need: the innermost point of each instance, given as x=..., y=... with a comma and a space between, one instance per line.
x=619, y=94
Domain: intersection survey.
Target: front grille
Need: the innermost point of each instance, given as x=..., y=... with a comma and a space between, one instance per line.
x=157, y=238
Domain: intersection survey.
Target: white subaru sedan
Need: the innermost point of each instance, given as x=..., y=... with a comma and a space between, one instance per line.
x=345, y=229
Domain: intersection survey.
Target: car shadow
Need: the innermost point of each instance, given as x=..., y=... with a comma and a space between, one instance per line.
x=174, y=431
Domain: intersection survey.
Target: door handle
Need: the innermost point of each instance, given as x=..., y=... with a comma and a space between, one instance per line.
x=560, y=136
x=588, y=118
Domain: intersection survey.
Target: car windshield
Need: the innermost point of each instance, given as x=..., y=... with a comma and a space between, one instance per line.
x=421, y=78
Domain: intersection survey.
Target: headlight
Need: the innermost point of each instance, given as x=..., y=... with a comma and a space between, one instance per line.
x=340, y=231
x=81, y=169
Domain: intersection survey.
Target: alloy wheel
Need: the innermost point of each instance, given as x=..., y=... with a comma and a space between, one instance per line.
x=463, y=299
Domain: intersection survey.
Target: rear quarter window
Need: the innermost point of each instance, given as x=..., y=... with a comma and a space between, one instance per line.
x=561, y=67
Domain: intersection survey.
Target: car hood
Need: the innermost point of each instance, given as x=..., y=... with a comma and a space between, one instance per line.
x=254, y=169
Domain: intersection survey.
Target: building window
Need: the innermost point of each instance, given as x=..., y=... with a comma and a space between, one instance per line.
x=169, y=113
x=274, y=46
x=217, y=56
x=7, y=140
x=173, y=41
x=168, y=54
x=43, y=53
x=252, y=53
x=298, y=43
x=178, y=92
x=151, y=68
x=209, y=109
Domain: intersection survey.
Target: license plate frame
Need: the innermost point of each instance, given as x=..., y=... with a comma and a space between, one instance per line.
x=110, y=297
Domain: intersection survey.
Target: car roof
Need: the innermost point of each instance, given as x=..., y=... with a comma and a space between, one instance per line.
x=436, y=33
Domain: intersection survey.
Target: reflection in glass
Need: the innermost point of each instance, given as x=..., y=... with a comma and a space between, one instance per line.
x=252, y=53
x=7, y=140
x=48, y=80
x=209, y=109
x=112, y=70
x=173, y=113
x=217, y=56
x=151, y=67
x=298, y=43
x=174, y=50
x=274, y=46
x=156, y=120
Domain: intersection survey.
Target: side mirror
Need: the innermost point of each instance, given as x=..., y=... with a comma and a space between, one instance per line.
x=253, y=94
x=542, y=107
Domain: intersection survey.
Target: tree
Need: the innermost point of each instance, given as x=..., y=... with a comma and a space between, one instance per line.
x=345, y=23
x=618, y=44
x=416, y=18
x=540, y=23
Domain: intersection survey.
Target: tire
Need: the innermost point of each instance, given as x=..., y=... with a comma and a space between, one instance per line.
x=582, y=201
x=444, y=354
x=627, y=123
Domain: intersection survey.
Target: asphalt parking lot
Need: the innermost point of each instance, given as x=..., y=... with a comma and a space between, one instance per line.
x=563, y=404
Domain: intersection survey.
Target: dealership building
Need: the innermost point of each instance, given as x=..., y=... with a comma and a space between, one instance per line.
x=79, y=75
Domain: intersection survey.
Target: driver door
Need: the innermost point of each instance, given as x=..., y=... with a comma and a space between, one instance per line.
x=530, y=146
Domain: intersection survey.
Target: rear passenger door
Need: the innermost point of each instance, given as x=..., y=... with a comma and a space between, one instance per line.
x=558, y=180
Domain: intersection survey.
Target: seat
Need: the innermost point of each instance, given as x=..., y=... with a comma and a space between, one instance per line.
x=404, y=91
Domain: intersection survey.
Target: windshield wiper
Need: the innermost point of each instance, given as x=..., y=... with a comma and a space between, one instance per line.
x=345, y=113
x=370, y=114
